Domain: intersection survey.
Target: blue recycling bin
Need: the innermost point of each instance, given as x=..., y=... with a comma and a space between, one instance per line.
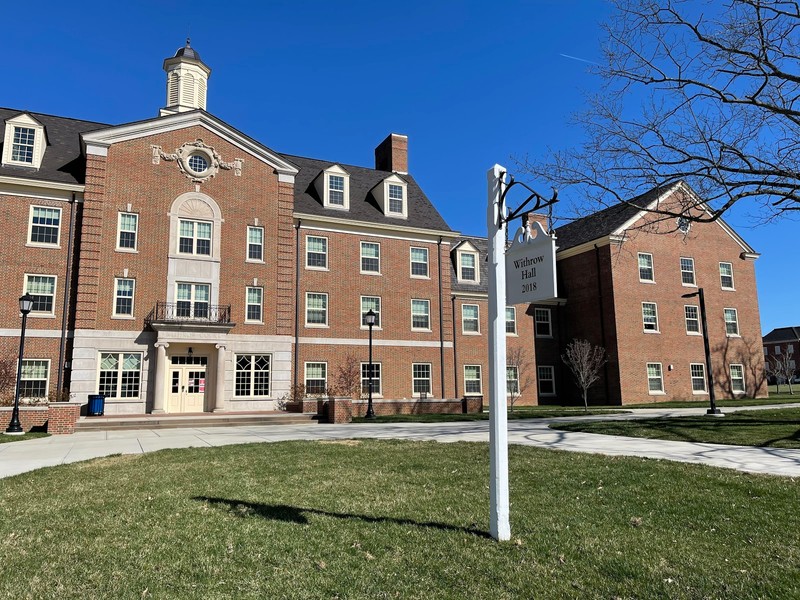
x=97, y=405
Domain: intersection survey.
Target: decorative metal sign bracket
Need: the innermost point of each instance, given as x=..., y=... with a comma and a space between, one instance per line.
x=541, y=202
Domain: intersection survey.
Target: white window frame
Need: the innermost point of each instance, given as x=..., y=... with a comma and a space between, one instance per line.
x=476, y=319
x=659, y=377
x=252, y=374
x=472, y=380
x=42, y=314
x=427, y=314
x=24, y=121
x=24, y=378
x=248, y=304
x=429, y=379
x=741, y=369
x=115, y=313
x=513, y=320
x=381, y=193
x=362, y=258
x=536, y=321
x=120, y=248
x=336, y=171
x=120, y=373
x=722, y=285
x=389, y=198
x=474, y=255
x=652, y=278
x=512, y=380
x=309, y=253
x=260, y=245
x=777, y=350
x=551, y=376
x=686, y=319
x=693, y=283
x=57, y=243
x=377, y=383
x=195, y=237
x=413, y=262
x=324, y=295
x=325, y=379
x=192, y=300
x=735, y=321
x=654, y=328
x=376, y=311
x=693, y=376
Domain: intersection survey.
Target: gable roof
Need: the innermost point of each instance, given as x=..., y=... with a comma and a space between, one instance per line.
x=481, y=244
x=63, y=161
x=363, y=206
x=782, y=334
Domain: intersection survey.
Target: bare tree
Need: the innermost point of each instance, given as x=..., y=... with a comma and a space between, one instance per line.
x=782, y=367
x=347, y=380
x=8, y=379
x=697, y=91
x=519, y=360
x=585, y=361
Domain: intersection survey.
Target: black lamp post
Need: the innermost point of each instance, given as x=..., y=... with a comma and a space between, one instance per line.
x=709, y=376
x=25, y=306
x=370, y=319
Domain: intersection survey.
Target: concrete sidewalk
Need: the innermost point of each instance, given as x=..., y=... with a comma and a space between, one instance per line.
x=20, y=457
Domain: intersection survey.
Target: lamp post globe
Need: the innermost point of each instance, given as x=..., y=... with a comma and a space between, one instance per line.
x=25, y=306
x=370, y=318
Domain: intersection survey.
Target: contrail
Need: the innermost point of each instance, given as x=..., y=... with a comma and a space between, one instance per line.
x=591, y=62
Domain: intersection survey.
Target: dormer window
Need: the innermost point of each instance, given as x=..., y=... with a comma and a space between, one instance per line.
x=391, y=195
x=396, y=199
x=24, y=142
x=333, y=186
x=467, y=270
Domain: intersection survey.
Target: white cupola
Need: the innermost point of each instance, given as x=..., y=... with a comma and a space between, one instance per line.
x=187, y=81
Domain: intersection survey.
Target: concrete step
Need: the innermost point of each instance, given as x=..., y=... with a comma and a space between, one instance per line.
x=199, y=420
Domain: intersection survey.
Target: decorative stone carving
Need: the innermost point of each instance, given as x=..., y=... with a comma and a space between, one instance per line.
x=206, y=155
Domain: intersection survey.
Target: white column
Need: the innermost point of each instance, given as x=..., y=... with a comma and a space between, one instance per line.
x=160, y=375
x=499, y=525
x=219, y=388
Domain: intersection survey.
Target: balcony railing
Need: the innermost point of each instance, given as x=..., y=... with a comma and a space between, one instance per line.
x=186, y=312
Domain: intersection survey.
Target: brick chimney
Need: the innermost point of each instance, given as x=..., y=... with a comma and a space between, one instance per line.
x=530, y=218
x=392, y=154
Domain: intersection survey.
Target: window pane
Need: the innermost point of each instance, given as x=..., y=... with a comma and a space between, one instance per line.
x=372, y=303
x=511, y=320
x=44, y=225
x=646, y=267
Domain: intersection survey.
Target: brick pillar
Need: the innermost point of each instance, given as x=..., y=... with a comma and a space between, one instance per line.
x=62, y=417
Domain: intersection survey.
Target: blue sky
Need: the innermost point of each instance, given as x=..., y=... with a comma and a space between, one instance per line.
x=471, y=84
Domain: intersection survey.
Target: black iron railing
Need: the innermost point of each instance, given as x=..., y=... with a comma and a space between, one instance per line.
x=187, y=312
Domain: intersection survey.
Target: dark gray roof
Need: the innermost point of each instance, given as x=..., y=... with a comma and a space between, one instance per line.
x=603, y=222
x=782, y=334
x=188, y=52
x=482, y=245
x=363, y=206
x=63, y=160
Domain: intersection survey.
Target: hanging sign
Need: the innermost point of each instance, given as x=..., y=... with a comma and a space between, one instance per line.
x=531, y=266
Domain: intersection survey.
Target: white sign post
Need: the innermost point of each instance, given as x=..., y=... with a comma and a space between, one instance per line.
x=531, y=266
x=499, y=525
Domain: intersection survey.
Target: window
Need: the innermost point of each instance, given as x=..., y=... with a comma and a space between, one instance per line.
x=472, y=380
x=731, y=322
x=419, y=262
x=127, y=231
x=420, y=314
x=396, y=200
x=511, y=320
x=692, y=319
x=698, y=373
x=655, y=381
x=469, y=318
x=737, y=378
x=198, y=163
x=726, y=275
x=376, y=379
x=255, y=243
x=370, y=257
x=547, y=382
x=468, y=262
x=687, y=271
x=194, y=238
x=316, y=252
x=766, y=351
x=316, y=309
x=541, y=317
x=252, y=375
x=193, y=300
x=22, y=146
x=372, y=303
x=645, y=267
x=43, y=290
x=254, y=302
x=120, y=374
x=421, y=378
x=512, y=380
x=650, y=316
x=316, y=378
x=34, y=378
x=790, y=348
x=336, y=190
x=777, y=350
x=123, y=297
x=44, y=225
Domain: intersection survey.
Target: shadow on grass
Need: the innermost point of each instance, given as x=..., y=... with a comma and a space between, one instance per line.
x=296, y=514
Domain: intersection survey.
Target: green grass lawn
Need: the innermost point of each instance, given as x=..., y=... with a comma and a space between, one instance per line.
x=778, y=428
x=523, y=412
x=391, y=519
x=19, y=438
x=773, y=399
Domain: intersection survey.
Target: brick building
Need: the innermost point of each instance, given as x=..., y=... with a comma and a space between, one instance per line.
x=783, y=343
x=179, y=265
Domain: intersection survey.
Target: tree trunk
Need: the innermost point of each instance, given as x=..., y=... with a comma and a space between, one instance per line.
x=585, y=401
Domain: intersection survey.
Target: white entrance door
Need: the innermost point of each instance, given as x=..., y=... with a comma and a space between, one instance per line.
x=187, y=384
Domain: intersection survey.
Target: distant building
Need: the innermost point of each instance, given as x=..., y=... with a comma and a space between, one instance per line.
x=783, y=341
